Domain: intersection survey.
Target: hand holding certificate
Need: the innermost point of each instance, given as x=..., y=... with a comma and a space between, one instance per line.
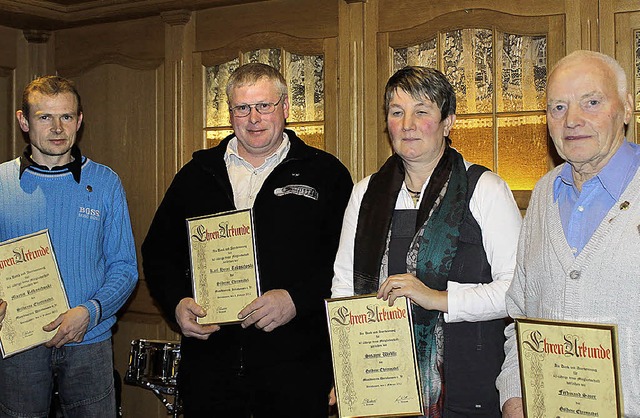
x=223, y=264
x=374, y=359
x=30, y=282
x=568, y=368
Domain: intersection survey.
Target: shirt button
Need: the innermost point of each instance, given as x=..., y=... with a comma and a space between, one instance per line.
x=574, y=274
x=574, y=250
x=580, y=208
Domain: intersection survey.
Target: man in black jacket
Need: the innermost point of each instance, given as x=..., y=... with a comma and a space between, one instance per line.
x=276, y=362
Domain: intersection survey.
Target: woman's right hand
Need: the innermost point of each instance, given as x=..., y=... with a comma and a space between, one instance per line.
x=410, y=286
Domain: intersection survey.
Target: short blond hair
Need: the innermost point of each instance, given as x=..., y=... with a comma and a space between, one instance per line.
x=251, y=73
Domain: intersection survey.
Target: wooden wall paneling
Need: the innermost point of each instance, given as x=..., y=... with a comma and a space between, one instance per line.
x=8, y=46
x=122, y=129
x=625, y=24
x=11, y=142
x=9, y=139
x=261, y=40
x=385, y=69
x=608, y=12
x=135, y=44
x=358, y=115
x=372, y=103
x=198, y=134
x=121, y=126
x=588, y=18
x=396, y=16
x=179, y=45
x=303, y=19
x=36, y=56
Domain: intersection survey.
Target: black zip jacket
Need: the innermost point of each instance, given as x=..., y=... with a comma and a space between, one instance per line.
x=296, y=241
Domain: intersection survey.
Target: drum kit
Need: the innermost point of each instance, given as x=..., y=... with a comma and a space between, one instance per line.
x=154, y=365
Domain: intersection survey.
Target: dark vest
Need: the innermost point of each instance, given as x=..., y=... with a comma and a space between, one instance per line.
x=474, y=351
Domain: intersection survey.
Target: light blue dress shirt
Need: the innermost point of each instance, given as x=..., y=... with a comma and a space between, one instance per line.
x=581, y=212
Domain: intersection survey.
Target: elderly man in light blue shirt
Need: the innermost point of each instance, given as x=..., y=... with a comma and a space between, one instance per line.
x=579, y=247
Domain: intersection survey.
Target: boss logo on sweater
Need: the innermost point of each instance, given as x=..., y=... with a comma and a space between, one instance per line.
x=89, y=213
x=298, y=189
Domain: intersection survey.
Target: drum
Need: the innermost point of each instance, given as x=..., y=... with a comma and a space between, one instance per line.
x=153, y=363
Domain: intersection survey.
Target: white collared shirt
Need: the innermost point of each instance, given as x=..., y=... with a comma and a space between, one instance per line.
x=247, y=180
x=495, y=210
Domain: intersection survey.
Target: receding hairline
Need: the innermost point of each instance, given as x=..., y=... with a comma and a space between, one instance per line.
x=607, y=62
x=275, y=83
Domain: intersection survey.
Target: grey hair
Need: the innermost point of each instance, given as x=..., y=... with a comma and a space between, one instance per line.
x=611, y=63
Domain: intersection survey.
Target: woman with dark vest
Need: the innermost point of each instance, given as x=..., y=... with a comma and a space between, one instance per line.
x=442, y=232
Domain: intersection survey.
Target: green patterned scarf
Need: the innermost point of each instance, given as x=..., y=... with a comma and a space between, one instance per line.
x=429, y=258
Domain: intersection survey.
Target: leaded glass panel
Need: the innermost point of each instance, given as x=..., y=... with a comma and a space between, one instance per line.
x=522, y=150
x=523, y=72
x=495, y=75
x=425, y=54
x=216, y=78
x=468, y=64
x=473, y=138
x=311, y=134
x=270, y=57
x=305, y=78
x=215, y=136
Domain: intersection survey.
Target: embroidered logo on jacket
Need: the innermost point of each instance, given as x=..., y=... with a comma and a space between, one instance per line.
x=299, y=189
x=89, y=213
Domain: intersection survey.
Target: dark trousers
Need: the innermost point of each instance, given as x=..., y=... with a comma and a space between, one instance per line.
x=292, y=390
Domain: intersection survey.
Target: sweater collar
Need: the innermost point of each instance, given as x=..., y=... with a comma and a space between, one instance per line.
x=75, y=166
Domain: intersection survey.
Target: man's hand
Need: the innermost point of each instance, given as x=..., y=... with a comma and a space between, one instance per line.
x=72, y=325
x=186, y=313
x=332, y=396
x=512, y=408
x=269, y=311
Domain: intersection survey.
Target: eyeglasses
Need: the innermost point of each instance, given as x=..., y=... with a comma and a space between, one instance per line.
x=243, y=110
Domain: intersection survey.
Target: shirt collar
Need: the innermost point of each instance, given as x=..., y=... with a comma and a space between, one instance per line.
x=275, y=158
x=75, y=166
x=612, y=176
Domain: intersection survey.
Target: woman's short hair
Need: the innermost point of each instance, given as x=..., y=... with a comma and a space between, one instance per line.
x=422, y=83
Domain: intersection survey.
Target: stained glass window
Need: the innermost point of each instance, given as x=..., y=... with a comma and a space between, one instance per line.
x=499, y=79
x=305, y=80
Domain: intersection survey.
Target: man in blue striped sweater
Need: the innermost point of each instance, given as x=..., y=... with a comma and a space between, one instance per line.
x=82, y=203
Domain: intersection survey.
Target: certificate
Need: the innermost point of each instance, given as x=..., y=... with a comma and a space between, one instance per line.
x=374, y=358
x=31, y=285
x=223, y=264
x=569, y=369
